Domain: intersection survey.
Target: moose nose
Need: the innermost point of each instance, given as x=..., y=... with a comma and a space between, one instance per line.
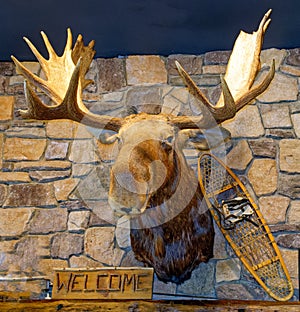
x=126, y=210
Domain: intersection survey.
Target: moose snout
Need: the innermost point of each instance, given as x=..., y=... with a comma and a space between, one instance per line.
x=126, y=195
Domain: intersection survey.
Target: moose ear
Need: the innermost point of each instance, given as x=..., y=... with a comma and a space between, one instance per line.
x=204, y=140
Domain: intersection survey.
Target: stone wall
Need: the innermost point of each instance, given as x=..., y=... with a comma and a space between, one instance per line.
x=54, y=175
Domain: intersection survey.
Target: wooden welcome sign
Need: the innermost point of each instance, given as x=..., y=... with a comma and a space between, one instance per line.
x=103, y=283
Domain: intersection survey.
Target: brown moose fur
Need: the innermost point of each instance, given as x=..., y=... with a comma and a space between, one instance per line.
x=175, y=232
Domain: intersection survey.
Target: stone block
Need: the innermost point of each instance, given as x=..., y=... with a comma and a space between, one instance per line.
x=216, y=57
x=65, y=245
x=265, y=147
x=192, y=64
x=28, y=195
x=96, y=219
x=64, y=188
x=266, y=57
x=289, y=156
x=45, y=221
x=228, y=270
x=105, y=108
x=294, y=213
x=263, y=176
x=34, y=67
x=201, y=282
x=288, y=87
x=145, y=69
x=171, y=105
x=94, y=186
x=3, y=193
x=60, y=129
x=291, y=241
x=275, y=116
x=43, y=176
x=42, y=165
x=82, y=132
x=163, y=288
x=21, y=288
x=246, y=123
x=113, y=97
x=176, y=101
x=78, y=220
x=220, y=244
x=6, y=68
x=99, y=245
x=16, y=177
x=290, y=70
x=83, y=262
x=233, y=292
x=288, y=185
x=56, y=150
x=107, y=152
x=200, y=80
x=16, y=80
x=3, y=84
x=81, y=170
x=23, y=149
x=144, y=99
x=123, y=232
x=13, y=221
x=214, y=69
x=7, y=107
x=111, y=75
x=274, y=208
x=293, y=57
x=8, y=246
x=83, y=151
x=30, y=250
x=73, y=205
x=26, y=132
x=296, y=123
x=290, y=258
x=1, y=149
x=47, y=266
x=240, y=156
x=280, y=133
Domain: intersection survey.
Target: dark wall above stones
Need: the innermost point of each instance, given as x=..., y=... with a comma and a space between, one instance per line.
x=161, y=27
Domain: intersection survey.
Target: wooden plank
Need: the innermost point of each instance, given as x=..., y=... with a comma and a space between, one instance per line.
x=103, y=283
x=149, y=306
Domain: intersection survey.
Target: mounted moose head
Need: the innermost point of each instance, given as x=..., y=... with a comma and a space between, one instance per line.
x=171, y=228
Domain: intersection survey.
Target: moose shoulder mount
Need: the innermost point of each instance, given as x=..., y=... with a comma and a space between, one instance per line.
x=171, y=227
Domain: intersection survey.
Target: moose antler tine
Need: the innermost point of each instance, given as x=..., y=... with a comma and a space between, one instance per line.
x=34, y=50
x=51, y=51
x=25, y=72
x=33, y=102
x=210, y=111
x=265, y=21
x=91, y=44
x=69, y=42
x=191, y=85
x=229, y=109
x=73, y=105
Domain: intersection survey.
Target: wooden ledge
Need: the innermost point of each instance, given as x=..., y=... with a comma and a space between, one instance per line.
x=148, y=305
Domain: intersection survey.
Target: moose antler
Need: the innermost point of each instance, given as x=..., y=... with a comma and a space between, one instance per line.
x=242, y=68
x=65, y=81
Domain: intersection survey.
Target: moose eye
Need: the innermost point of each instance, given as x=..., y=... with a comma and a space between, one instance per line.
x=167, y=142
